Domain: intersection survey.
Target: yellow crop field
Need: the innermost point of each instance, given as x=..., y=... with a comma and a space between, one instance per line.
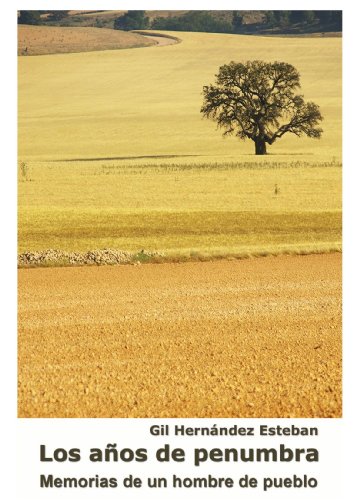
x=182, y=209
x=147, y=102
x=117, y=153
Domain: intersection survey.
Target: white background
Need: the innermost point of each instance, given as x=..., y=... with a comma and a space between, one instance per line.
x=129, y=433
x=20, y=465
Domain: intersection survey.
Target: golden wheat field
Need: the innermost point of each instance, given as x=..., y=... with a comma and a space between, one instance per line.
x=182, y=210
x=147, y=102
x=118, y=154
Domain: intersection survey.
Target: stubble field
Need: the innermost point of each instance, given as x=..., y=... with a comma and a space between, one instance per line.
x=254, y=338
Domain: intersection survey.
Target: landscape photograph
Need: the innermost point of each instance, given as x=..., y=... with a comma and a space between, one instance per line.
x=179, y=214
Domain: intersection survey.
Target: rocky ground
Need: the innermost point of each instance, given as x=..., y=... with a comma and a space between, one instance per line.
x=252, y=338
x=107, y=256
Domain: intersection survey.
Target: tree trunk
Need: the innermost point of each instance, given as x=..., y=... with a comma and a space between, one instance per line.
x=260, y=146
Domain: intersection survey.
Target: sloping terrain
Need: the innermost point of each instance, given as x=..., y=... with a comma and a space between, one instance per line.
x=105, y=18
x=136, y=102
x=119, y=156
x=39, y=40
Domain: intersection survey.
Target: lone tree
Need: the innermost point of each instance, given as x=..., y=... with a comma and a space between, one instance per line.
x=258, y=101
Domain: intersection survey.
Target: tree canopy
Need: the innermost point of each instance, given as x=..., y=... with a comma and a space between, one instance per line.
x=132, y=20
x=29, y=17
x=259, y=101
x=281, y=21
x=57, y=15
x=195, y=20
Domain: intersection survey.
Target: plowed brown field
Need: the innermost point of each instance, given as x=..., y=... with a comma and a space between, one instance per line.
x=251, y=338
x=40, y=40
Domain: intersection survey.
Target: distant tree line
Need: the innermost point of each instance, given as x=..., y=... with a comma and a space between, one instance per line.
x=286, y=18
x=194, y=21
x=207, y=21
x=132, y=20
x=234, y=22
x=191, y=21
x=34, y=16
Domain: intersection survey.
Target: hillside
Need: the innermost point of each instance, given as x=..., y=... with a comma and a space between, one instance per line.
x=127, y=130
x=152, y=99
x=255, y=22
x=102, y=18
x=39, y=40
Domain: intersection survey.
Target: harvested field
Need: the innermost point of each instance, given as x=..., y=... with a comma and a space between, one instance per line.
x=40, y=40
x=118, y=156
x=182, y=210
x=147, y=102
x=251, y=338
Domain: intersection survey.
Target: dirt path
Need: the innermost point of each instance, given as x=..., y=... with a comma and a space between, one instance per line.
x=162, y=40
x=251, y=338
